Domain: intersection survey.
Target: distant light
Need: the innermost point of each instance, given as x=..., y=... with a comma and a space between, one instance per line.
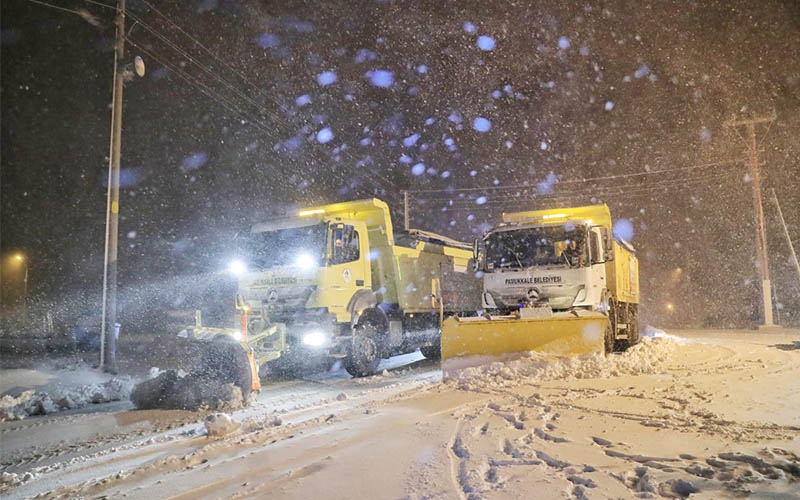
x=609, y=105
x=469, y=27
x=303, y=100
x=485, y=42
x=418, y=169
x=670, y=306
x=480, y=200
x=19, y=257
x=563, y=43
x=305, y=261
x=238, y=267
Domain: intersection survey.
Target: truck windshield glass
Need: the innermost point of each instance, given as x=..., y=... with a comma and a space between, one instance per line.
x=541, y=246
x=284, y=246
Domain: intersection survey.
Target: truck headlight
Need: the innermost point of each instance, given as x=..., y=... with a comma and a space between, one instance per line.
x=314, y=339
x=237, y=267
x=305, y=261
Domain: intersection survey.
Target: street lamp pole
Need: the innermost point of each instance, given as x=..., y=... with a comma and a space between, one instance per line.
x=108, y=340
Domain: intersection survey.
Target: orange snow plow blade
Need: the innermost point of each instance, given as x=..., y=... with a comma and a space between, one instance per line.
x=473, y=341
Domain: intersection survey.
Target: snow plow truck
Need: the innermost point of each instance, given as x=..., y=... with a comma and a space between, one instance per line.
x=338, y=282
x=555, y=281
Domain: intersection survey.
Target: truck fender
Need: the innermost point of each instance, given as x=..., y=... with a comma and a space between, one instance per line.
x=360, y=302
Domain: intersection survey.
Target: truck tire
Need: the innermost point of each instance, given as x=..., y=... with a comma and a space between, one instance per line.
x=608, y=337
x=364, y=353
x=433, y=352
x=610, y=334
x=631, y=318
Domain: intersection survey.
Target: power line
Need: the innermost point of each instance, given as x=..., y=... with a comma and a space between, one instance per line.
x=590, y=179
x=617, y=189
x=391, y=185
x=233, y=107
x=620, y=193
x=521, y=205
x=64, y=9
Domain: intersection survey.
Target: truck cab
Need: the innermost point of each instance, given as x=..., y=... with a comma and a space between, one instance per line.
x=554, y=263
x=561, y=260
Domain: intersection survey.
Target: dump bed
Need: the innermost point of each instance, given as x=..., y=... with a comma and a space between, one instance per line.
x=623, y=273
x=431, y=271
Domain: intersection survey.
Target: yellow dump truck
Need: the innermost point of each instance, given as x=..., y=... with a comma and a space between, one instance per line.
x=338, y=282
x=553, y=280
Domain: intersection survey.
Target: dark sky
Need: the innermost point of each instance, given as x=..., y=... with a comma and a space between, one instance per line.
x=571, y=91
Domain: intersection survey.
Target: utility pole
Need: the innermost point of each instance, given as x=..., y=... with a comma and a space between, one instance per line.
x=405, y=210
x=761, y=233
x=786, y=233
x=108, y=339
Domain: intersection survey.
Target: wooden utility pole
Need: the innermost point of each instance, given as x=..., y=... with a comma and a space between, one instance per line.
x=405, y=210
x=761, y=234
x=108, y=339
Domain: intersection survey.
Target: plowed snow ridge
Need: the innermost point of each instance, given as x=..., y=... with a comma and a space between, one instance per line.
x=648, y=356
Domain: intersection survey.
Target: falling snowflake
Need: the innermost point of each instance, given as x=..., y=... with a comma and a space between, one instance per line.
x=486, y=43
x=481, y=124
x=324, y=135
x=381, y=78
x=326, y=78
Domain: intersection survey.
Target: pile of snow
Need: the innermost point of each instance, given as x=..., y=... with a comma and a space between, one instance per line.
x=175, y=390
x=33, y=402
x=220, y=424
x=648, y=356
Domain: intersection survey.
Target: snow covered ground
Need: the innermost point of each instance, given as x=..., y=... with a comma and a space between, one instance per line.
x=700, y=414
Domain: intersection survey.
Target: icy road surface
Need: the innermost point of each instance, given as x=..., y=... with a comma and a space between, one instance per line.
x=705, y=414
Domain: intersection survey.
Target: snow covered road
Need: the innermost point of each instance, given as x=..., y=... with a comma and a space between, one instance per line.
x=709, y=415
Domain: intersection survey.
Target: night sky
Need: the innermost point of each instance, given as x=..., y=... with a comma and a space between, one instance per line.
x=490, y=106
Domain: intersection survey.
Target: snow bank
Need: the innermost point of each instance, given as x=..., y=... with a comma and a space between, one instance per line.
x=648, y=356
x=33, y=402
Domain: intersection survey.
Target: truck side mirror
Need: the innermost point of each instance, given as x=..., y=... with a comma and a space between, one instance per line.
x=608, y=250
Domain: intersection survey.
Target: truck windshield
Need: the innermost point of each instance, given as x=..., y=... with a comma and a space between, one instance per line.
x=539, y=246
x=284, y=247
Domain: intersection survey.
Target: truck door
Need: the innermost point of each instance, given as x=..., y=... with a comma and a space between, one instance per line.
x=348, y=264
x=597, y=274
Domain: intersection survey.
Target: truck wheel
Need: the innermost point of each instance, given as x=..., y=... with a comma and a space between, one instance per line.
x=632, y=320
x=363, y=355
x=611, y=326
x=433, y=352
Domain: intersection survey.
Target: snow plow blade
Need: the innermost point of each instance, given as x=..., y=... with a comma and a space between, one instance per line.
x=473, y=341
